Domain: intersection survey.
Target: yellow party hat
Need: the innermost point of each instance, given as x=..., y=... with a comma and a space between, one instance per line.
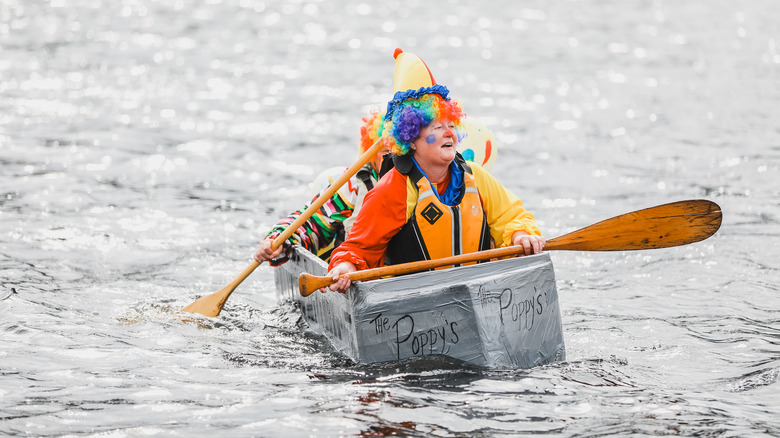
x=411, y=72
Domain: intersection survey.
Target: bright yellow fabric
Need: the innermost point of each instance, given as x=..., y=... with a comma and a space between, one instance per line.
x=504, y=211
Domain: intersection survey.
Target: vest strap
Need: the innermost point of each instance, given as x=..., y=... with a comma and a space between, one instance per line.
x=364, y=174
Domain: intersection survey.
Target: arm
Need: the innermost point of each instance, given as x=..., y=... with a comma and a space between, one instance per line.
x=318, y=233
x=384, y=212
x=510, y=223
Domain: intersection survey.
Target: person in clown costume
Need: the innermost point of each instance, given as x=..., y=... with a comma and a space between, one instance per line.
x=329, y=226
x=432, y=204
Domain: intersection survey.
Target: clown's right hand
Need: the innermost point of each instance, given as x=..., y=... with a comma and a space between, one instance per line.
x=340, y=283
x=265, y=252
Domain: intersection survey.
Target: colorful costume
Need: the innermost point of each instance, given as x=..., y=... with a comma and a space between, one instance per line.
x=392, y=204
x=326, y=229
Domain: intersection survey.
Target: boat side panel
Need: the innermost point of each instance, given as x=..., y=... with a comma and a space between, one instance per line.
x=418, y=322
x=326, y=314
x=502, y=314
x=519, y=317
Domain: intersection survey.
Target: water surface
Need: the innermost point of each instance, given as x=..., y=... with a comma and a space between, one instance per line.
x=146, y=146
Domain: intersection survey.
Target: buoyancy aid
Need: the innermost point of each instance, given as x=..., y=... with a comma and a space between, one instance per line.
x=435, y=230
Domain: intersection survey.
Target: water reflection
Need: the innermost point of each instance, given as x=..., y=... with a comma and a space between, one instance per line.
x=145, y=147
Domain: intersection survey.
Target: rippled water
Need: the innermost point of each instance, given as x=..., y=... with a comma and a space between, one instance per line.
x=145, y=147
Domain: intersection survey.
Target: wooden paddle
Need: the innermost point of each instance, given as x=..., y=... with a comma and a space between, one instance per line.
x=211, y=305
x=663, y=226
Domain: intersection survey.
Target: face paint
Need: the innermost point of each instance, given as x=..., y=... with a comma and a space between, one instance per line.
x=430, y=139
x=449, y=133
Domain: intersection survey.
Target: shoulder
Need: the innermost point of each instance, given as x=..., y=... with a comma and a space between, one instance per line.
x=390, y=191
x=479, y=173
x=391, y=181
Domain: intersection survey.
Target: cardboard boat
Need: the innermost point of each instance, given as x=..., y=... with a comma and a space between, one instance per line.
x=500, y=314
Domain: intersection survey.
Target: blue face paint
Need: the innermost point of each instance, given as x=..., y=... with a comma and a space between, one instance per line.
x=430, y=138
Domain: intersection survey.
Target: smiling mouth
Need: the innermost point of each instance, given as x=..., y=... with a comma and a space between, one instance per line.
x=447, y=145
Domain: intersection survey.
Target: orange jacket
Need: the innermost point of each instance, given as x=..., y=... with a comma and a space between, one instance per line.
x=392, y=202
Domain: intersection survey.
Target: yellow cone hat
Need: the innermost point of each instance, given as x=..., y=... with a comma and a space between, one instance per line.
x=411, y=72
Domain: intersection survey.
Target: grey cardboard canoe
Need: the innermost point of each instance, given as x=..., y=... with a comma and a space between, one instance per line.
x=501, y=314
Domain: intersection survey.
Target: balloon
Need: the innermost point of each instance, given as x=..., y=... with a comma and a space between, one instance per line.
x=479, y=144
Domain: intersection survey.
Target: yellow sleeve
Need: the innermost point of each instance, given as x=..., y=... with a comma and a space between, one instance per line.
x=504, y=211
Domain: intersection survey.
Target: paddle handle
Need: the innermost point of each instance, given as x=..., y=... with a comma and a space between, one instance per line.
x=367, y=156
x=308, y=283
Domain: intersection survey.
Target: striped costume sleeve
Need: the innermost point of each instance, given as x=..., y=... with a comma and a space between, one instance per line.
x=325, y=227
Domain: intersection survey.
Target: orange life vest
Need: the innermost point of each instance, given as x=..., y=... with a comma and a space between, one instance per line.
x=436, y=230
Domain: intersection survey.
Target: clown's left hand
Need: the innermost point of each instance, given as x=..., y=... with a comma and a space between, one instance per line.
x=531, y=243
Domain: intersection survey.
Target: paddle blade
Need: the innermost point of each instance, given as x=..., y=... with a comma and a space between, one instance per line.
x=210, y=305
x=663, y=226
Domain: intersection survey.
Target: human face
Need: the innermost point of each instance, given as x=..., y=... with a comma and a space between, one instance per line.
x=436, y=146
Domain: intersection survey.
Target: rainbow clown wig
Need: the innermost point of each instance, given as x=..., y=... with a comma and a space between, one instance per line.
x=371, y=130
x=412, y=110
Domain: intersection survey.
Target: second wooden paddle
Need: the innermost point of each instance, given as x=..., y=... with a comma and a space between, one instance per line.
x=663, y=226
x=211, y=305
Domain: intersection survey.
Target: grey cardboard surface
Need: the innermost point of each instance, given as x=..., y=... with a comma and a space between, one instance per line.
x=500, y=314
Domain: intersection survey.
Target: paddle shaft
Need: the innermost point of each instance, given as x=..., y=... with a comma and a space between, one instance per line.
x=212, y=305
x=367, y=156
x=663, y=226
